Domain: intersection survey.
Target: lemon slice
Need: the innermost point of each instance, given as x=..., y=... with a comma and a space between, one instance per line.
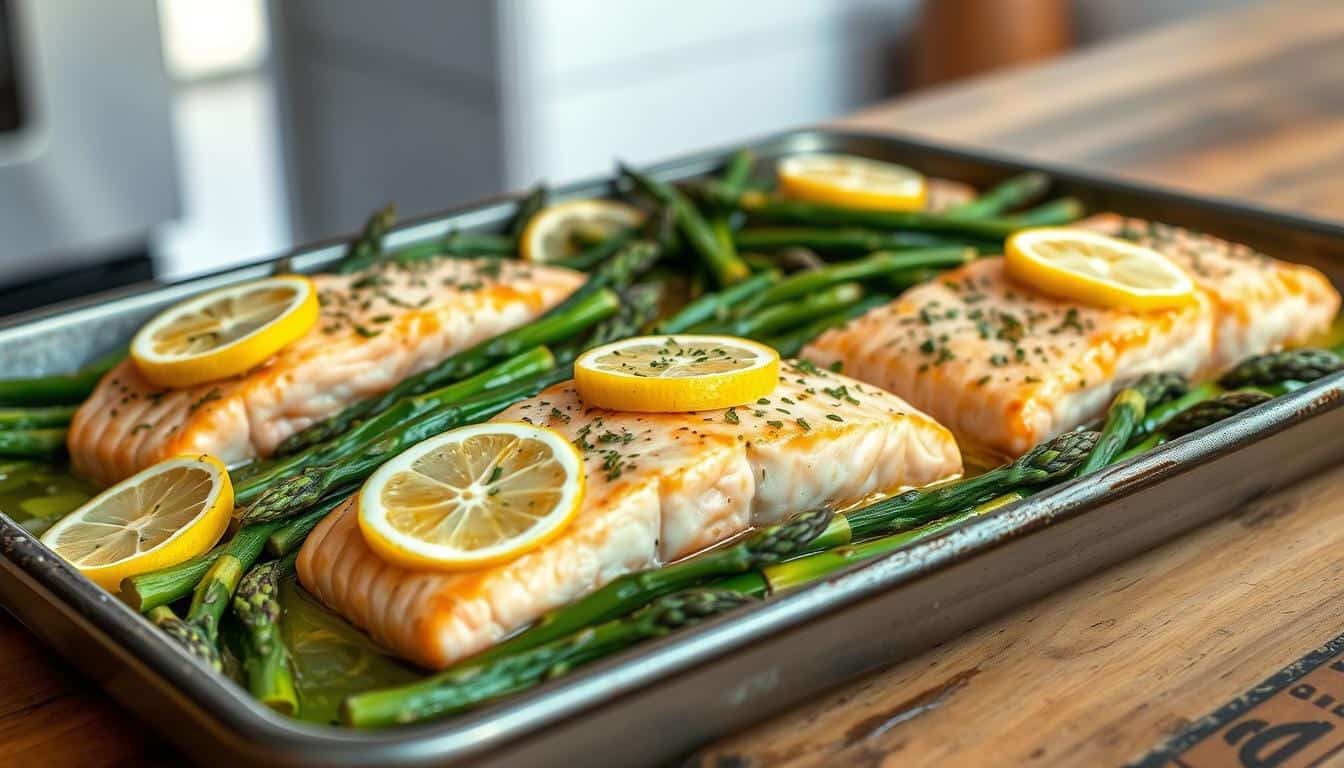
x=551, y=234
x=854, y=182
x=1095, y=269
x=676, y=373
x=159, y=517
x=472, y=497
x=225, y=332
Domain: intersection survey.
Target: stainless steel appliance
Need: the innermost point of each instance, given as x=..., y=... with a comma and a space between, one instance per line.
x=87, y=165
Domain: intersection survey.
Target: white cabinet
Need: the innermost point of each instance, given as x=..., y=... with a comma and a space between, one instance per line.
x=431, y=103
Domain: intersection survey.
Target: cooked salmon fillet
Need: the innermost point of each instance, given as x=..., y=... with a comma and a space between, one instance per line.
x=376, y=328
x=1006, y=368
x=1260, y=304
x=660, y=486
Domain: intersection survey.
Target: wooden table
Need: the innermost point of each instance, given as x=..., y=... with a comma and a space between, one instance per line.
x=1247, y=104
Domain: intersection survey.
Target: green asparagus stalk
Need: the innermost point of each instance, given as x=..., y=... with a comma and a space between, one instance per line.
x=777, y=209
x=292, y=496
x=1157, y=418
x=1014, y=192
x=456, y=243
x=212, y=595
x=593, y=302
x=187, y=635
x=803, y=534
x=292, y=533
x=1288, y=365
x=877, y=265
x=849, y=240
x=787, y=315
x=266, y=661
x=599, y=252
x=716, y=307
x=735, y=176
x=148, y=591
x=254, y=479
x=798, y=572
x=1226, y=405
x=470, y=685
x=36, y=417
x=61, y=388
x=1126, y=414
x=1054, y=213
x=367, y=248
x=639, y=307
x=727, y=267
x=790, y=343
x=32, y=443
x=527, y=210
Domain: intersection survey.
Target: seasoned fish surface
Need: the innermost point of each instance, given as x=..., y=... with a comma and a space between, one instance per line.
x=660, y=486
x=376, y=328
x=1005, y=367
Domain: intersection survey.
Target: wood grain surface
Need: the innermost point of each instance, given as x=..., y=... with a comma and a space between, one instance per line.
x=1247, y=104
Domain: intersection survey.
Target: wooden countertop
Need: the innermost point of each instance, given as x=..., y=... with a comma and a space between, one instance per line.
x=1246, y=104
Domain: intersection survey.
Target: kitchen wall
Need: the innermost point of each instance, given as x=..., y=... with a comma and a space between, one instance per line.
x=428, y=103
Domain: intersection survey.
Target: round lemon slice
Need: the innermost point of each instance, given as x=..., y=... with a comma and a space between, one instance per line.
x=159, y=517
x=472, y=497
x=654, y=374
x=1095, y=269
x=225, y=332
x=554, y=233
x=854, y=182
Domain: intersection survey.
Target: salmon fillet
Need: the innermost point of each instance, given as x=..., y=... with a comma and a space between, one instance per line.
x=660, y=487
x=376, y=328
x=1006, y=368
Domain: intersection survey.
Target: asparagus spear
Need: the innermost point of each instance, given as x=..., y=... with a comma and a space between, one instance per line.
x=1226, y=405
x=456, y=243
x=849, y=240
x=639, y=307
x=875, y=265
x=1014, y=192
x=254, y=479
x=187, y=635
x=36, y=417
x=716, y=306
x=1126, y=413
x=61, y=388
x=209, y=600
x=735, y=176
x=1276, y=367
x=32, y=443
x=527, y=209
x=467, y=686
x=1055, y=212
x=727, y=267
x=291, y=534
x=367, y=248
x=148, y=591
x=807, y=532
x=599, y=252
x=266, y=660
x=292, y=496
x=591, y=303
x=780, y=316
x=783, y=210
x=1157, y=418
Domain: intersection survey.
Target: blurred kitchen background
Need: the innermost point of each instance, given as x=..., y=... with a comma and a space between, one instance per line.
x=161, y=139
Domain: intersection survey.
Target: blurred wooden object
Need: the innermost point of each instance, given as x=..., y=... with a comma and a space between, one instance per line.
x=957, y=38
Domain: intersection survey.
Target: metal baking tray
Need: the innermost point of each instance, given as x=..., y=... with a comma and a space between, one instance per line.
x=660, y=700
